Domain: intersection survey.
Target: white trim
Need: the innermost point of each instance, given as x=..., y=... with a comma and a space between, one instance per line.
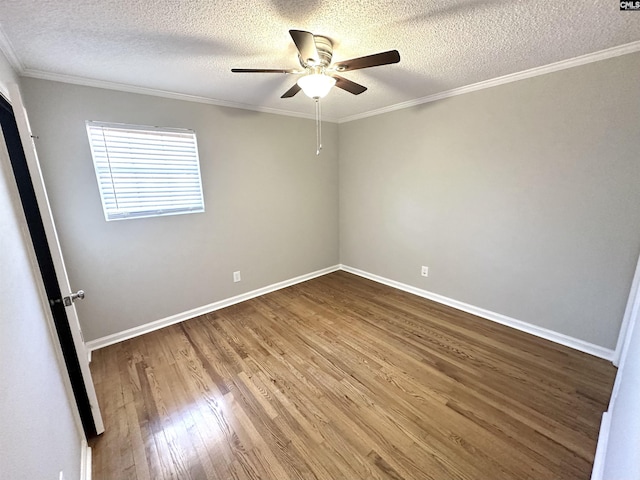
x=624, y=351
x=512, y=77
x=605, y=428
x=44, y=206
x=541, y=332
x=7, y=49
x=601, y=450
x=630, y=313
x=5, y=165
x=180, y=317
x=122, y=87
x=85, y=461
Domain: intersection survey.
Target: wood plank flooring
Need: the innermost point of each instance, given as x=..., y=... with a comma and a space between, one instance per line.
x=342, y=378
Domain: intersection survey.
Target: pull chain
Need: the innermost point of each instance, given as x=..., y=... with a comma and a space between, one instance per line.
x=318, y=127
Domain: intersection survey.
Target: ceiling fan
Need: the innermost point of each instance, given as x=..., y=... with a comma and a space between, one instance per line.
x=314, y=54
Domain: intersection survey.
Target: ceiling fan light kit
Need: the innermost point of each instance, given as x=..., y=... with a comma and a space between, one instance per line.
x=316, y=85
x=314, y=55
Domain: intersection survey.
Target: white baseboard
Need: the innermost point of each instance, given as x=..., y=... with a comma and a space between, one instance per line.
x=601, y=450
x=545, y=333
x=180, y=317
x=85, y=461
x=577, y=344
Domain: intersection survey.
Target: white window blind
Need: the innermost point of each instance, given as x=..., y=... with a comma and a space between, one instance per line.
x=145, y=171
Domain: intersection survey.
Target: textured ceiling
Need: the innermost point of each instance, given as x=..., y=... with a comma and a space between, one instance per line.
x=189, y=46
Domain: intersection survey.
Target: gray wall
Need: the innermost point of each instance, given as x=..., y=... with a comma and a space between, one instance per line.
x=522, y=199
x=39, y=435
x=271, y=206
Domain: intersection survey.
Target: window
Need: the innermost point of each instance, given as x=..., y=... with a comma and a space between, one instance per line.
x=145, y=171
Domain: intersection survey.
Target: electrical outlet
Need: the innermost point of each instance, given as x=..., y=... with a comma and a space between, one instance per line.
x=236, y=277
x=425, y=271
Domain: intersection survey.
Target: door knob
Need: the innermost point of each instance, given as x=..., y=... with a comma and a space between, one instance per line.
x=73, y=297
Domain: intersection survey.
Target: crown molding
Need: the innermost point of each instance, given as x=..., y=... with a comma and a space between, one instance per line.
x=123, y=87
x=617, y=51
x=7, y=49
x=513, y=77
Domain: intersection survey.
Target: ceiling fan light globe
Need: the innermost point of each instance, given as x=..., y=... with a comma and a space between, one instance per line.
x=316, y=85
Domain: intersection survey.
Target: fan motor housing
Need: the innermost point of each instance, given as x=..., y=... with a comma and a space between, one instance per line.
x=324, y=46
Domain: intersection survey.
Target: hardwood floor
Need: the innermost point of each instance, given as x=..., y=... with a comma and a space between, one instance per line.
x=343, y=378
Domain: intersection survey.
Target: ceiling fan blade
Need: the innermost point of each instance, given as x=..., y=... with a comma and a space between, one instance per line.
x=348, y=85
x=292, y=91
x=383, y=58
x=263, y=70
x=306, y=45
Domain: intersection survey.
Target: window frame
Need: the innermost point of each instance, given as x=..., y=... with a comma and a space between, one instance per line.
x=102, y=161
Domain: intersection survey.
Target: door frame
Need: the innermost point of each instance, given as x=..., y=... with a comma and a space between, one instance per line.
x=26, y=171
x=631, y=312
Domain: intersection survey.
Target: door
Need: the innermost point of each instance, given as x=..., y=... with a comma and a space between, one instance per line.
x=33, y=197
